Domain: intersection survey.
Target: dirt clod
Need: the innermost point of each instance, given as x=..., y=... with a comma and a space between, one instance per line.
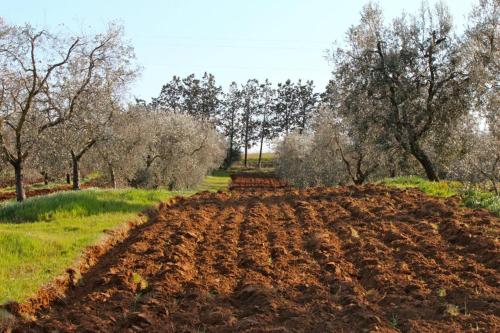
x=266, y=258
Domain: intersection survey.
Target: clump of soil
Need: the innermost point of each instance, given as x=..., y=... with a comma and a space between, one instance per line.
x=265, y=258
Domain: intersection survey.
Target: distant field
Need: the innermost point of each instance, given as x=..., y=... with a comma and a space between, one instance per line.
x=44, y=235
x=266, y=157
x=268, y=160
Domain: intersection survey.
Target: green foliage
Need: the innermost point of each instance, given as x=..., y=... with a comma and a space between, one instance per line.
x=470, y=197
x=394, y=322
x=234, y=157
x=444, y=189
x=268, y=162
x=478, y=199
x=219, y=180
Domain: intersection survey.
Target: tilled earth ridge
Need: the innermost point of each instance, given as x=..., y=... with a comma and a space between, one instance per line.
x=348, y=259
x=252, y=181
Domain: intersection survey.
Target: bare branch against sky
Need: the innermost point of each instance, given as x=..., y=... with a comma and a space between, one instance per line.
x=234, y=40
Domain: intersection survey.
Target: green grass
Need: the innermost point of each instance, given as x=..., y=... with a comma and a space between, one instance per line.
x=444, y=189
x=266, y=157
x=478, y=199
x=470, y=197
x=44, y=235
x=267, y=166
x=218, y=180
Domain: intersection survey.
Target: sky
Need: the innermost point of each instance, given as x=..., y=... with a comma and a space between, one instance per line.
x=235, y=40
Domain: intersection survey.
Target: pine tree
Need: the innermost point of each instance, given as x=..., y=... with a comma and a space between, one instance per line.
x=266, y=95
x=249, y=114
x=209, y=97
x=286, y=107
x=307, y=100
x=230, y=121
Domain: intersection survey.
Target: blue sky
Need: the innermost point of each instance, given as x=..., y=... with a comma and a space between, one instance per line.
x=235, y=40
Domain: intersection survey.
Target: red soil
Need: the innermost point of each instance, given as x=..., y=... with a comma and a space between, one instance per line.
x=44, y=191
x=33, y=193
x=252, y=181
x=348, y=259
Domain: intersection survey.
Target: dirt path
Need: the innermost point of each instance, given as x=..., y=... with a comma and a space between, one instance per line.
x=274, y=259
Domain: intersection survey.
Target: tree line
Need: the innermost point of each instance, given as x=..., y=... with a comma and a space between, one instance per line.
x=411, y=96
x=64, y=107
x=248, y=115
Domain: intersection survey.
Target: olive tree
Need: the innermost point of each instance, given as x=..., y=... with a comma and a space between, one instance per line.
x=413, y=74
x=184, y=150
x=98, y=103
x=482, y=47
x=43, y=75
x=336, y=151
x=147, y=148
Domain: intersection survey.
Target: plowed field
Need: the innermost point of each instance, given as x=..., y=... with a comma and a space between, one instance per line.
x=349, y=259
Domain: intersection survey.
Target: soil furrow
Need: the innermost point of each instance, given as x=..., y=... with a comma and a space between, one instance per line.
x=267, y=258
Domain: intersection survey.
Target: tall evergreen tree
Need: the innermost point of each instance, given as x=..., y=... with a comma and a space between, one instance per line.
x=210, y=95
x=249, y=113
x=191, y=95
x=266, y=95
x=307, y=100
x=286, y=107
x=230, y=121
x=171, y=95
x=199, y=98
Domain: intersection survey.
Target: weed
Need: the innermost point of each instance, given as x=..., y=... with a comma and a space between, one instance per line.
x=140, y=282
x=471, y=198
x=394, y=322
x=452, y=310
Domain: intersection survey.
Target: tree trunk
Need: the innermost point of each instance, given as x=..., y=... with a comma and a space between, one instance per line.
x=45, y=178
x=68, y=179
x=425, y=161
x=76, y=173
x=246, y=145
x=18, y=170
x=112, y=176
x=260, y=150
x=230, y=155
x=359, y=181
x=246, y=154
x=303, y=122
